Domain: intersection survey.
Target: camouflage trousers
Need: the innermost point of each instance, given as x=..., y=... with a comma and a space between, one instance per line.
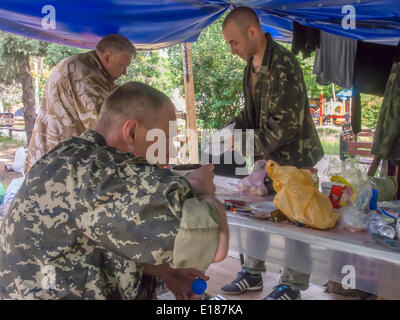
x=295, y=252
x=290, y=277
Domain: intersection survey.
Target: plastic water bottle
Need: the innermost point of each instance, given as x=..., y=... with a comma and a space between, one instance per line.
x=374, y=200
x=1, y=193
x=199, y=286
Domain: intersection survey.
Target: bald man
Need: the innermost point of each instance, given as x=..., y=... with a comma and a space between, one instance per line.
x=276, y=108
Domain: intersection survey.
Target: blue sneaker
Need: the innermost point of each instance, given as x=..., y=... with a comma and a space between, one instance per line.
x=284, y=292
x=244, y=281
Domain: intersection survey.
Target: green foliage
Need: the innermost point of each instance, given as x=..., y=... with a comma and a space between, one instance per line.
x=55, y=53
x=12, y=47
x=217, y=74
x=370, y=108
x=151, y=68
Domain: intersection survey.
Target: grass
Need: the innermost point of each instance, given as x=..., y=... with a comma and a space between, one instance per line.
x=330, y=140
x=6, y=141
x=330, y=147
x=323, y=131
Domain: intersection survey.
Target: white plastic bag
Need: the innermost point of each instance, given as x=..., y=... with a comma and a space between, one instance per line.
x=254, y=183
x=19, y=160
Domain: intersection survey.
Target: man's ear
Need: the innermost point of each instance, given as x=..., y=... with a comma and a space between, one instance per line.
x=107, y=56
x=129, y=132
x=251, y=31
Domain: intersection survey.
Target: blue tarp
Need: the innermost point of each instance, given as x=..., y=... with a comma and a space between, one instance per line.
x=153, y=24
x=19, y=113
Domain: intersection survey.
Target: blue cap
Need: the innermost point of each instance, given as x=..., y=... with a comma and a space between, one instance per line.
x=373, y=204
x=199, y=286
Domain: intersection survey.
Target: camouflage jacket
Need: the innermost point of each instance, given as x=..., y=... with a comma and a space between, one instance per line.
x=280, y=115
x=387, y=136
x=87, y=218
x=71, y=102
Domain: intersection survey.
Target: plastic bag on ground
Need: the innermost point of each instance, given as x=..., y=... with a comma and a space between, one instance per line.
x=19, y=160
x=298, y=199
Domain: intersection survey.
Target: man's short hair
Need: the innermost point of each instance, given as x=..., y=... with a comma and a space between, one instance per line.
x=115, y=42
x=132, y=100
x=243, y=17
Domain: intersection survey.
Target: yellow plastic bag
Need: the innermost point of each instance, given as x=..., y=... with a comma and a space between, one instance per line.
x=298, y=199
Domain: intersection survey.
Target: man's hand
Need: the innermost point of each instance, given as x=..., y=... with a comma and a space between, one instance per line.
x=202, y=180
x=179, y=281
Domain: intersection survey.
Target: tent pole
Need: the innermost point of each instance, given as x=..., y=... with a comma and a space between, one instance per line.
x=189, y=98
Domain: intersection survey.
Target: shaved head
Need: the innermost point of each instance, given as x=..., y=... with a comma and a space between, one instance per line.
x=243, y=18
x=133, y=100
x=133, y=116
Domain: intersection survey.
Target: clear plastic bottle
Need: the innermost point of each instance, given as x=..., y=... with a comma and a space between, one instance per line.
x=314, y=173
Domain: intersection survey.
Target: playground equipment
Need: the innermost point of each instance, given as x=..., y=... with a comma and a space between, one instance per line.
x=332, y=112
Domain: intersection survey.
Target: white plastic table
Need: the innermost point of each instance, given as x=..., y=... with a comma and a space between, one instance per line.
x=352, y=258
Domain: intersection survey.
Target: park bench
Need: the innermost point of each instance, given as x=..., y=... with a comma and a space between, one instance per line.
x=11, y=123
x=351, y=146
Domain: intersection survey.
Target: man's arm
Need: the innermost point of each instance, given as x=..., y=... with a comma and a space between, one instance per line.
x=223, y=244
x=147, y=226
x=202, y=183
x=281, y=123
x=281, y=120
x=138, y=224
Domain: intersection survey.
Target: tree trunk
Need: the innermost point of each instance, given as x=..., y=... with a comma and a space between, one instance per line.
x=28, y=95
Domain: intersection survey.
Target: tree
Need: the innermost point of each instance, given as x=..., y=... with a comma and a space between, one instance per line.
x=55, y=53
x=11, y=96
x=371, y=106
x=149, y=67
x=217, y=74
x=15, y=53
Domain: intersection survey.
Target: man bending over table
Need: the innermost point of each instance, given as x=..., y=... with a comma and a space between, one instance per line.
x=94, y=220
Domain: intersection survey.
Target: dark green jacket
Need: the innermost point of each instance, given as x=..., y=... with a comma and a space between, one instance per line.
x=280, y=113
x=387, y=136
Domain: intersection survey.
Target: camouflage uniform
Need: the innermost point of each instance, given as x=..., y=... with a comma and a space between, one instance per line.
x=280, y=114
x=94, y=216
x=278, y=111
x=71, y=102
x=387, y=136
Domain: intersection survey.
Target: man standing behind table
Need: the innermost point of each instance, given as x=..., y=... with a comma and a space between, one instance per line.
x=94, y=220
x=276, y=107
x=74, y=93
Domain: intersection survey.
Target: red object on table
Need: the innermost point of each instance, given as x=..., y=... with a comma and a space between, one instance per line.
x=335, y=195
